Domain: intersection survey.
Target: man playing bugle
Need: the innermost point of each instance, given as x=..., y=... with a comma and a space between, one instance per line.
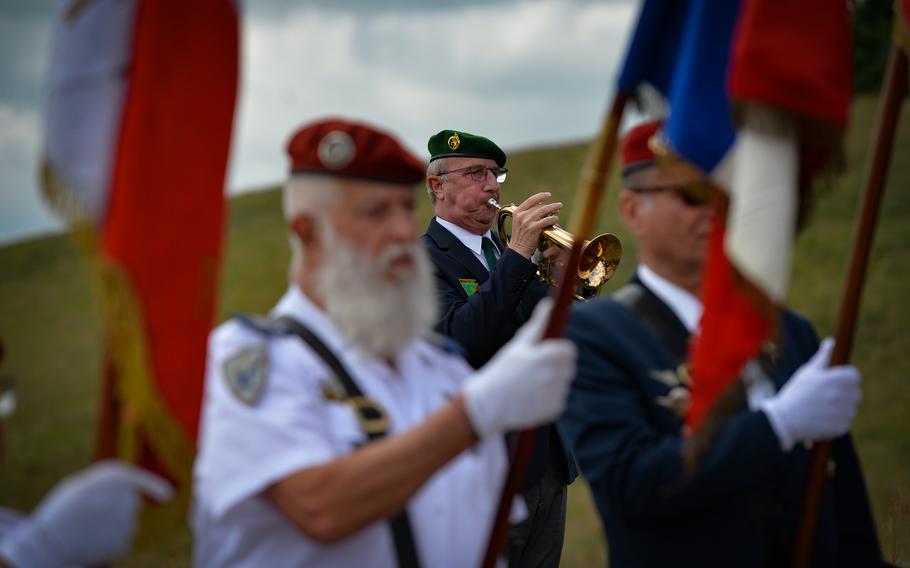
x=486, y=292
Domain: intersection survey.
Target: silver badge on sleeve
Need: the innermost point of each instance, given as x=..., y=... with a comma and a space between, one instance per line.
x=246, y=373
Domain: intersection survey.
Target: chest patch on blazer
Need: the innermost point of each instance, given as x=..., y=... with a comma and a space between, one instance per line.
x=469, y=285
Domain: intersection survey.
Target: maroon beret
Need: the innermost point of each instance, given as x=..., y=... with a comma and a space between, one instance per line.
x=353, y=149
x=636, y=150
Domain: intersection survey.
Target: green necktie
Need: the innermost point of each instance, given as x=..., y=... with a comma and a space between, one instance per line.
x=489, y=251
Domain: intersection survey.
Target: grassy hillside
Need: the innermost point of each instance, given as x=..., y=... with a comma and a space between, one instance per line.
x=52, y=335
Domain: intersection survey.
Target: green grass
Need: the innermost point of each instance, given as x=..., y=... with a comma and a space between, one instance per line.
x=52, y=334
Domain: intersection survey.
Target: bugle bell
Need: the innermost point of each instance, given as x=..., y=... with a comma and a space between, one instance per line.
x=599, y=257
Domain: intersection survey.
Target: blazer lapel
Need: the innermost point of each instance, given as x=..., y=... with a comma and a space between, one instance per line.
x=455, y=249
x=498, y=242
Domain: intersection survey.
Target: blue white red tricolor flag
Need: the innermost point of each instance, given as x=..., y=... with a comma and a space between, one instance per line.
x=758, y=92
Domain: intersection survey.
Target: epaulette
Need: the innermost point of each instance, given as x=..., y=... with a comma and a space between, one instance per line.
x=246, y=372
x=629, y=295
x=271, y=327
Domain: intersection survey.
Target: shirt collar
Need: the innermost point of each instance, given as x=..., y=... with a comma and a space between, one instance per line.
x=467, y=238
x=685, y=306
x=297, y=305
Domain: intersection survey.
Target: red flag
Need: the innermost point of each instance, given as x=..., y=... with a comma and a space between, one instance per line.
x=161, y=225
x=794, y=57
x=734, y=310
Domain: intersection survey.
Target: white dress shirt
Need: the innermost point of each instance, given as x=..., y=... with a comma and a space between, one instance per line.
x=470, y=240
x=684, y=304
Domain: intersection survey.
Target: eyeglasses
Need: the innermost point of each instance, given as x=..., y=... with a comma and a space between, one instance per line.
x=479, y=173
x=692, y=197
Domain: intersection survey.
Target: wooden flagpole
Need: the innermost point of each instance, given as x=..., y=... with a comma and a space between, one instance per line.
x=587, y=201
x=108, y=420
x=894, y=90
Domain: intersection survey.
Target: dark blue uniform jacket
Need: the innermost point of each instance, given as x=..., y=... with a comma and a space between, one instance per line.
x=741, y=506
x=487, y=319
x=484, y=321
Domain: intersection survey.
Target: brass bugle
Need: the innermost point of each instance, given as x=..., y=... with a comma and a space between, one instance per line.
x=599, y=257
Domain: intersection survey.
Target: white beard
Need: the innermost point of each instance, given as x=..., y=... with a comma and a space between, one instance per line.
x=379, y=316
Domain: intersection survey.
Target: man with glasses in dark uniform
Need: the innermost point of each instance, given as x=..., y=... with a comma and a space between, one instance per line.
x=627, y=405
x=486, y=292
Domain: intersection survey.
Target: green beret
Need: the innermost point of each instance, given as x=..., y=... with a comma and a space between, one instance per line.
x=453, y=143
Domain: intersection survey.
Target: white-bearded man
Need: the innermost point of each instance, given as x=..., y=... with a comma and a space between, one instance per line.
x=334, y=433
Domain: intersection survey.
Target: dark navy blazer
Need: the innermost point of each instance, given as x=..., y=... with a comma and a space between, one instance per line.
x=741, y=507
x=486, y=320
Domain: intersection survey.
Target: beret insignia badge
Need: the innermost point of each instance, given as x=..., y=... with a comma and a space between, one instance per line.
x=454, y=141
x=336, y=150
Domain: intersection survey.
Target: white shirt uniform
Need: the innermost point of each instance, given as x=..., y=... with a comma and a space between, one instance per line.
x=244, y=447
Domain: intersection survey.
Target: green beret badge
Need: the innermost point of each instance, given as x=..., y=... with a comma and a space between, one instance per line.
x=454, y=141
x=461, y=144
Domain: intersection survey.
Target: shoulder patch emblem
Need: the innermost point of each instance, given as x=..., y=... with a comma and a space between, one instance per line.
x=469, y=285
x=246, y=373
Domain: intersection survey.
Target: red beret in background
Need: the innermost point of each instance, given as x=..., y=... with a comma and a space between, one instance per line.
x=352, y=149
x=636, y=152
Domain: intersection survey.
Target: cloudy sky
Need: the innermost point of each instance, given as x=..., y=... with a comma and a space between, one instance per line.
x=523, y=72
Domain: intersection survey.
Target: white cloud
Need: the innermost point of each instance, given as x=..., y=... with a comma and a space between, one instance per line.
x=527, y=73
x=19, y=133
x=523, y=72
x=22, y=211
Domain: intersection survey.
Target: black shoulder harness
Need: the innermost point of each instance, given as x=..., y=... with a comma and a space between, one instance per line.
x=659, y=319
x=372, y=418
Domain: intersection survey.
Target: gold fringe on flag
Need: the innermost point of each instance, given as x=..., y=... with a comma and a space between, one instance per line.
x=144, y=416
x=822, y=140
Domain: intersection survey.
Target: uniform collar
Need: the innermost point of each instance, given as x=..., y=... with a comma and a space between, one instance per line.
x=467, y=238
x=297, y=305
x=685, y=306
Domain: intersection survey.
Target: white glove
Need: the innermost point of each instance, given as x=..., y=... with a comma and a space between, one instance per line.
x=525, y=384
x=89, y=518
x=817, y=403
